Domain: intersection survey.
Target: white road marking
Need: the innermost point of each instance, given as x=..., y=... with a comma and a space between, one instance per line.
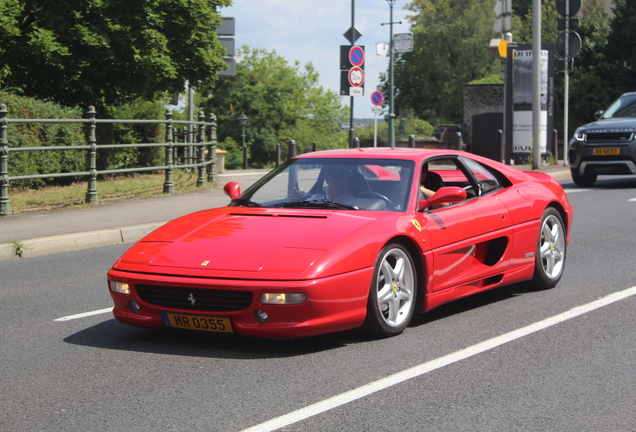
x=84, y=315
x=632, y=200
x=567, y=191
x=416, y=371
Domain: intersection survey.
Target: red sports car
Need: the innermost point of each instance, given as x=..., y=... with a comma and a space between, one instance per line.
x=340, y=239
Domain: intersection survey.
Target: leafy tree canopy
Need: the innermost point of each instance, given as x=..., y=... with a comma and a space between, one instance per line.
x=451, y=39
x=80, y=52
x=282, y=102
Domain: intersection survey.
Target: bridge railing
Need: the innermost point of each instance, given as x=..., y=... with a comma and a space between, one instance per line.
x=203, y=139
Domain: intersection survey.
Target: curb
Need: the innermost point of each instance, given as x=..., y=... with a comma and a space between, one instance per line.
x=73, y=242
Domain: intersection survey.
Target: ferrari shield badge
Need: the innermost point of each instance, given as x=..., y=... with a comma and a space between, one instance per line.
x=417, y=225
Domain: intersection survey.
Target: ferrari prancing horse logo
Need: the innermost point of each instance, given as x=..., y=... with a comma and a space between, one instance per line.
x=417, y=225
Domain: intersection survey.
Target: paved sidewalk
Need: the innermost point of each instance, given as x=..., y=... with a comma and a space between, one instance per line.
x=62, y=230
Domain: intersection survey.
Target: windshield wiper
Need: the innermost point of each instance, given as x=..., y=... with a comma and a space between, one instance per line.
x=246, y=203
x=317, y=204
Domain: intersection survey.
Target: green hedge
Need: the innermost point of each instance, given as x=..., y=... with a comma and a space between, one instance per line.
x=37, y=135
x=72, y=134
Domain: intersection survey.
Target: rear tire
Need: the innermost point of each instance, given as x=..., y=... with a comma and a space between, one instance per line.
x=583, y=180
x=550, y=252
x=393, y=292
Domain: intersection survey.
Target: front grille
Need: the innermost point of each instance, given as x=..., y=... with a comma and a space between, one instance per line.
x=614, y=137
x=198, y=299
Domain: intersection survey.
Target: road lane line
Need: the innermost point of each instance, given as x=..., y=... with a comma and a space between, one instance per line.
x=416, y=371
x=84, y=315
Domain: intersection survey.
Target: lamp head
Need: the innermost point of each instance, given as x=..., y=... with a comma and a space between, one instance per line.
x=242, y=119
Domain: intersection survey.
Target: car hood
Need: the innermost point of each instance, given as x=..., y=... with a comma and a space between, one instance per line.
x=623, y=124
x=242, y=242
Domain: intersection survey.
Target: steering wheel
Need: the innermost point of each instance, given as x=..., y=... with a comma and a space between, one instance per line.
x=372, y=194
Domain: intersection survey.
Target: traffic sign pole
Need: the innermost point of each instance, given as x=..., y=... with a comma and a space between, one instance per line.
x=376, y=99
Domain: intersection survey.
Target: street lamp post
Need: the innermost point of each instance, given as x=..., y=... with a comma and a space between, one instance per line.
x=242, y=119
x=391, y=104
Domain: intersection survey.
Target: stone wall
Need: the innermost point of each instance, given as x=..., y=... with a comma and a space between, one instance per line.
x=481, y=99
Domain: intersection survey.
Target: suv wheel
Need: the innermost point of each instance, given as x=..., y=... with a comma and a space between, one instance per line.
x=583, y=180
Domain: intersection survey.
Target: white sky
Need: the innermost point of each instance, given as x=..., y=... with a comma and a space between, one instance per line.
x=312, y=31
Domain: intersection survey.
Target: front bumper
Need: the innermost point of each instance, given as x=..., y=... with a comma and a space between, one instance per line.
x=585, y=162
x=333, y=304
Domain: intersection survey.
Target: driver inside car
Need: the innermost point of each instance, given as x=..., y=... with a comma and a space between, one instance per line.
x=337, y=179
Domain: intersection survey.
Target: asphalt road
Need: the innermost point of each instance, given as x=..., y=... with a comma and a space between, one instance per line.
x=474, y=370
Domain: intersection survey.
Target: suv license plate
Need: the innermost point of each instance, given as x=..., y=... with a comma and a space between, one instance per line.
x=197, y=322
x=606, y=151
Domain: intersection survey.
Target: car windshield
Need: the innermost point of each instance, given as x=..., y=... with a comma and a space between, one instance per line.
x=347, y=184
x=624, y=106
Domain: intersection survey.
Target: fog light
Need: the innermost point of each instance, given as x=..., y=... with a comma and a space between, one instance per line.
x=134, y=307
x=283, y=298
x=261, y=316
x=119, y=287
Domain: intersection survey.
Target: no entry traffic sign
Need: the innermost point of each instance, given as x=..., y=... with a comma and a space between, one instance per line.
x=377, y=98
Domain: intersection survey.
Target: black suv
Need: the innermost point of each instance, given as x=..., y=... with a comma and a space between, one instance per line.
x=606, y=146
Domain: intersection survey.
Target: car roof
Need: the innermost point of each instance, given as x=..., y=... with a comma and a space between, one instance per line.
x=418, y=155
x=415, y=154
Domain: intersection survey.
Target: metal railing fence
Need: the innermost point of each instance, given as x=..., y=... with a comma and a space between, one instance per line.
x=202, y=138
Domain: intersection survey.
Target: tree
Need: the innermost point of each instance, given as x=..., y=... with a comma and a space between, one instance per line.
x=108, y=52
x=282, y=102
x=620, y=50
x=592, y=68
x=451, y=39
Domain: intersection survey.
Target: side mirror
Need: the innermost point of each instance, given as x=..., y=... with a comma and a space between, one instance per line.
x=233, y=190
x=598, y=114
x=445, y=195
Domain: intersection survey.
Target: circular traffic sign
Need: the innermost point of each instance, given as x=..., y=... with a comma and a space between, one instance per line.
x=574, y=44
x=356, y=77
x=377, y=98
x=575, y=7
x=356, y=56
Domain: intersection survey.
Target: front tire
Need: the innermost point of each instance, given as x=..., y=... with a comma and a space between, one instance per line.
x=583, y=180
x=393, y=292
x=551, y=251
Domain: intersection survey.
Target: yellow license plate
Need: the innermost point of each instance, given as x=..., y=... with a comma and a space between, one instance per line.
x=197, y=322
x=607, y=151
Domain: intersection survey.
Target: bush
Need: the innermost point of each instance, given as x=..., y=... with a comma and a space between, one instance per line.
x=73, y=134
x=43, y=134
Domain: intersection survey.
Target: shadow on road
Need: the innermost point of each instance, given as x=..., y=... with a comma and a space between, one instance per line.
x=114, y=335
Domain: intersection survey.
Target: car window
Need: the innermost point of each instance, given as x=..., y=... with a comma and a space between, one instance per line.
x=354, y=184
x=486, y=180
x=624, y=106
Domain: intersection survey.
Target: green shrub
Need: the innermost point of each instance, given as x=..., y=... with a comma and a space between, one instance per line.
x=73, y=134
x=42, y=134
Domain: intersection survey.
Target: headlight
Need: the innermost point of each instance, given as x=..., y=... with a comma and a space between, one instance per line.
x=579, y=136
x=119, y=287
x=283, y=298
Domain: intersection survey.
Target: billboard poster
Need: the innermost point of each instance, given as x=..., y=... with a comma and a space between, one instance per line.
x=519, y=129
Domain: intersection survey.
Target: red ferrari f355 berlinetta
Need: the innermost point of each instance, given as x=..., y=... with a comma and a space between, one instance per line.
x=340, y=239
